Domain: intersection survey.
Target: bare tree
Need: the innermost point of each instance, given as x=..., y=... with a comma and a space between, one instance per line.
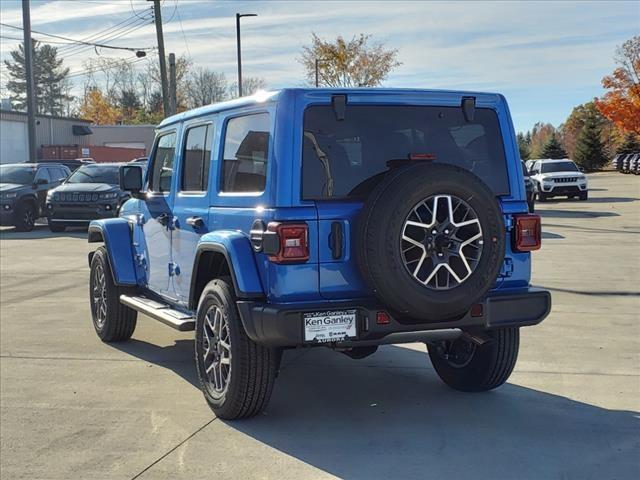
x=250, y=85
x=204, y=87
x=358, y=62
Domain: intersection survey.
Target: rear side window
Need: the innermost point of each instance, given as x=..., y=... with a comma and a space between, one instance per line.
x=340, y=157
x=163, y=163
x=246, y=148
x=196, y=159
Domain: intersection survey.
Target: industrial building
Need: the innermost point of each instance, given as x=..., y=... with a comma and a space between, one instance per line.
x=75, y=137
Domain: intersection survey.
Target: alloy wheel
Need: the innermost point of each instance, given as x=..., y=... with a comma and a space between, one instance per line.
x=441, y=242
x=216, y=355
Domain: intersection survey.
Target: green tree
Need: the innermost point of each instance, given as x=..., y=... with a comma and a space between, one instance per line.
x=348, y=63
x=523, y=146
x=630, y=144
x=49, y=78
x=589, y=152
x=553, y=149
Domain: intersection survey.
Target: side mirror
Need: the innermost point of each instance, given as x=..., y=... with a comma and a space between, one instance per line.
x=131, y=180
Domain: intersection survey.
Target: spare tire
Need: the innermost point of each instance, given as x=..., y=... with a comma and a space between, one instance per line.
x=431, y=241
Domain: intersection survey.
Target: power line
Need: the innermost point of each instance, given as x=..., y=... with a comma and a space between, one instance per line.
x=131, y=49
x=102, y=34
x=84, y=49
x=184, y=37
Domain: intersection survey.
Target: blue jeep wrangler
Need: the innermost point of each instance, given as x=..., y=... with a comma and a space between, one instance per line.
x=321, y=217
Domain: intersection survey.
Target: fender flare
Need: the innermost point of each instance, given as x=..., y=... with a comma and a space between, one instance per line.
x=236, y=248
x=115, y=233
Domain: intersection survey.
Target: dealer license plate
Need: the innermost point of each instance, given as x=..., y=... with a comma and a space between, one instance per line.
x=329, y=326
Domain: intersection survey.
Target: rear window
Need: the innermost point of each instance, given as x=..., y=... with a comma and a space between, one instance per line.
x=338, y=157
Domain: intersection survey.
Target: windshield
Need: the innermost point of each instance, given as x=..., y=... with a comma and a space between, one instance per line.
x=559, y=167
x=20, y=174
x=339, y=156
x=95, y=173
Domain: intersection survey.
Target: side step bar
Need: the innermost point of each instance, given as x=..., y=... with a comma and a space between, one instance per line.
x=161, y=312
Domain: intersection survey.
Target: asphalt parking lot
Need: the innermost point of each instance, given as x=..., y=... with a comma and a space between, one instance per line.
x=73, y=407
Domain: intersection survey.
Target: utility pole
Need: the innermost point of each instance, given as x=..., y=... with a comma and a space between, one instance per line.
x=173, y=88
x=31, y=98
x=157, y=18
x=317, y=61
x=238, y=17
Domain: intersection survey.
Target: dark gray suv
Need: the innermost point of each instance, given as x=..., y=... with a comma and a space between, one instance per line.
x=23, y=191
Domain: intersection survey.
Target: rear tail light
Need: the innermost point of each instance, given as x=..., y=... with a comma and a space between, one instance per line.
x=527, y=233
x=293, y=242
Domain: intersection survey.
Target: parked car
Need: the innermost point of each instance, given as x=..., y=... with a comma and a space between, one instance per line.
x=530, y=189
x=91, y=192
x=339, y=218
x=140, y=160
x=629, y=163
x=617, y=161
x=23, y=190
x=554, y=178
x=72, y=165
x=635, y=164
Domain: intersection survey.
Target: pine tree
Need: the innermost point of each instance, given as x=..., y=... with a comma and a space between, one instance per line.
x=48, y=75
x=630, y=144
x=523, y=147
x=553, y=149
x=589, y=152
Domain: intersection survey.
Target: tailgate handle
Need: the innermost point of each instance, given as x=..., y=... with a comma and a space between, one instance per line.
x=335, y=240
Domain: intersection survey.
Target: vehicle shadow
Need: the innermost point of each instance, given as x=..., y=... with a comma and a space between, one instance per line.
x=573, y=213
x=41, y=231
x=389, y=417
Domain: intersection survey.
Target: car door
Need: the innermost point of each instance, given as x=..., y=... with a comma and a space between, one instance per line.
x=43, y=174
x=191, y=203
x=156, y=209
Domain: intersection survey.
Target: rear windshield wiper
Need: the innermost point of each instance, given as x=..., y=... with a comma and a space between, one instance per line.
x=324, y=159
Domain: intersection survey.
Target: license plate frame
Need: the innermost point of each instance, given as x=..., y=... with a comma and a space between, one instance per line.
x=328, y=326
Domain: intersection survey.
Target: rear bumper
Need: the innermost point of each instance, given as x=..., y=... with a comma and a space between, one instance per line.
x=282, y=325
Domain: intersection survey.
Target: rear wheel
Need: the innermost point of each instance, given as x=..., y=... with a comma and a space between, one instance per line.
x=112, y=320
x=25, y=217
x=236, y=374
x=468, y=367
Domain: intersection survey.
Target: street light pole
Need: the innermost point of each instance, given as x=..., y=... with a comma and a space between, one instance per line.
x=238, y=17
x=31, y=91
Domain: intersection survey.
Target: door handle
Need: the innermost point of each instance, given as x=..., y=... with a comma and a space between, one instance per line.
x=163, y=219
x=195, y=222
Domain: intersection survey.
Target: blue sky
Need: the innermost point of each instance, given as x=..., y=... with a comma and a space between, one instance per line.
x=546, y=57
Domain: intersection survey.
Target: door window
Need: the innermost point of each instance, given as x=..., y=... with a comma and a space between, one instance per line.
x=246, y=148
x=196, y=159
x=43, y=173
x=162, y=162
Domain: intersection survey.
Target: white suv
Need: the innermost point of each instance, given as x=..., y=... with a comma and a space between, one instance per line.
x=554, y=178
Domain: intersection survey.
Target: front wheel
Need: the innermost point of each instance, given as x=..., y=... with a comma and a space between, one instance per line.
x=26, y=215
x=112, y=320
x=56, y=227
x=584, y=196
x=468, y=367
x=236, y=374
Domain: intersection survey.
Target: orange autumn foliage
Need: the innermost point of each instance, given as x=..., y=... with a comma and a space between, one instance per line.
x=621, y=104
